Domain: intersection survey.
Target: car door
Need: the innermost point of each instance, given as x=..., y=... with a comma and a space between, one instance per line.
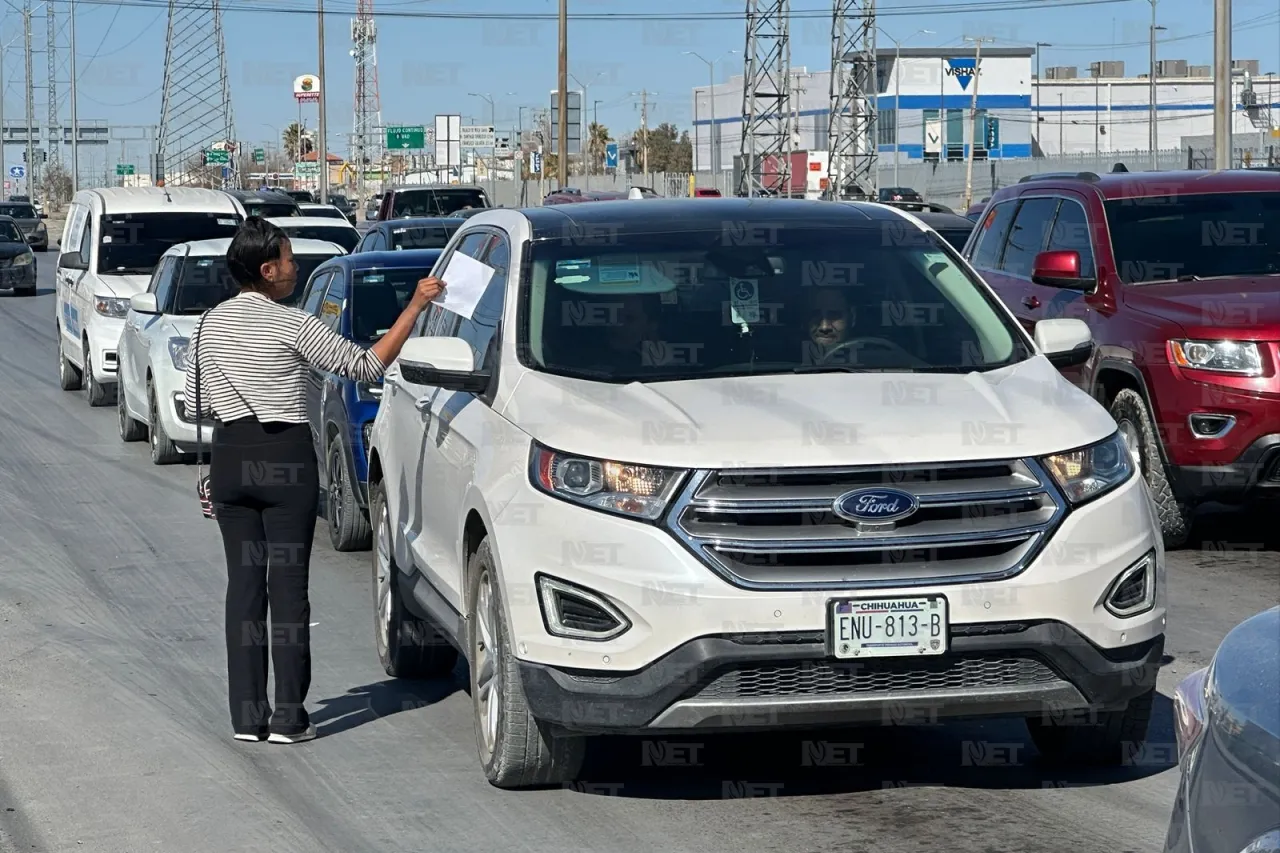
x=329, y=311
x=415, y=412
x=1027, y=238
x=65, y=280
x=139, y=330
x=1070, y=231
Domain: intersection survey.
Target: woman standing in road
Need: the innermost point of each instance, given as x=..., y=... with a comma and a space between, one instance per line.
x=252, y=357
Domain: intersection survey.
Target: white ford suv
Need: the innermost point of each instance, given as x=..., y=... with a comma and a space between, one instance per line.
x=693, y=467
x=190, y=279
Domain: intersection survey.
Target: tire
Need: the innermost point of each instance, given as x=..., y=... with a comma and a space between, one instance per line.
x=1134, y=420
x=69, y=378
x=516, y=749
x=349, y=528
x=408, y=647
x=1106, y=742
x=130, y=429
x=24, y=291
x=163, y=450
x=95, y=393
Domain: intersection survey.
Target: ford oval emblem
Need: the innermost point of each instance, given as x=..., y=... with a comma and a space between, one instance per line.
x=875, y=506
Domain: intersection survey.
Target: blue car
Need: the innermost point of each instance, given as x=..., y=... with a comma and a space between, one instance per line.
x=418, y=232
x=360, y=297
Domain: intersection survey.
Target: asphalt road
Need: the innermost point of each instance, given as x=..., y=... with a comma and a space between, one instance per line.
x=114, y=736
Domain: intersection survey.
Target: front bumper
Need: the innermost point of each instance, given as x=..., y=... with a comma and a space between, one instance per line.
x=104, y=342
x=766, y=681
x=17, y=278
x=1254, y=474
x=173, y=416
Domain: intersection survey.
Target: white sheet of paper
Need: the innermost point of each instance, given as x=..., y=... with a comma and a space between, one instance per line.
x=464, y=282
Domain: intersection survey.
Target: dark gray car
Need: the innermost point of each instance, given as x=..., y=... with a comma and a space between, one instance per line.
x=29, y=222
x=1227, y=720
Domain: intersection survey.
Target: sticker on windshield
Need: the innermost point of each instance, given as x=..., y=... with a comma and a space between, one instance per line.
x=573, y=279
x=573, y=266
x=204, y=262
x=230, y=222
x=616, y=272
x=374, y=279
x=106, y=238
x=744, y=300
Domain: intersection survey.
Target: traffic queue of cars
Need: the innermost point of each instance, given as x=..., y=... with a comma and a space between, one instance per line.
x=738, y=466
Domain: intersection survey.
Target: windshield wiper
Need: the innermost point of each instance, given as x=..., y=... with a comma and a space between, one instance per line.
x=847, y=368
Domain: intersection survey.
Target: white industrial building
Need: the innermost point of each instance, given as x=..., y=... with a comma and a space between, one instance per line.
x=926, y=95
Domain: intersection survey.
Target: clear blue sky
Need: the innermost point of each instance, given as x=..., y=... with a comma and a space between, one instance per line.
x=429, y=65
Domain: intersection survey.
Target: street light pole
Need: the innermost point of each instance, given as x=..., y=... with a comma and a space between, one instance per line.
x=897, y=97
x=1151, y=120
x=31, y=157
x=973, y=120
x=713, y=146
x=1222, y=99
x=562, y=129
x=75, y=121
x=322, y=148
x=1039, y=85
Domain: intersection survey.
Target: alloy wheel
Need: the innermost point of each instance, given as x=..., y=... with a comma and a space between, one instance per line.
x=487, y=664
x=335, y=488
x=1130, y=434
x=383, y=578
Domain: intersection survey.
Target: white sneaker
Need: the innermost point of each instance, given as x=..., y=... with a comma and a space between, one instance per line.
x=251, y=738
x=300, y=737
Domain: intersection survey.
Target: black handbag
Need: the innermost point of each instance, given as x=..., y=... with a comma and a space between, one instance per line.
x=202, y=479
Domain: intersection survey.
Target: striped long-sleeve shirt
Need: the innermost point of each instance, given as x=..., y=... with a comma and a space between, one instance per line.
x=254, y=355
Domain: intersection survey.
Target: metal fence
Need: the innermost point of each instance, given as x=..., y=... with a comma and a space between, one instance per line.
x=943, y=183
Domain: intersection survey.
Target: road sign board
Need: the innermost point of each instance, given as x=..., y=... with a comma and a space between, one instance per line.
x=477, y=137
x=611, y=155
x=306, y=170
x=124, y=169
x=573, y=121
x=217, y=155
x=17, y=171
x=933, y=136
x=412, y=137
x=535, y=162
x=993, y=133
x=259, y=155
x=447, y=140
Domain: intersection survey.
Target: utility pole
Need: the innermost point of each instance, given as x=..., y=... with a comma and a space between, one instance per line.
x=1222, y=100
x=75, y=119
x=31, y=106
x=562, y=129
x=644, y=134
x=1152, y=131
x=1039, y=86
x=973, y=119
x=322, y=148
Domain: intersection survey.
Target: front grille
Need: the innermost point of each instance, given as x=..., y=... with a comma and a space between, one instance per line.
x=836, y=678
x=765, y=529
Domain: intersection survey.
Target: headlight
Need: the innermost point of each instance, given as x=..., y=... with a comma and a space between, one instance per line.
x=178, y=352
x=24, y=260
x=111, y=306
x=618, y=487
x=369, y=392
x=1091, y=471
x=1239, y=357
x=40, y=226
x=1267, y=843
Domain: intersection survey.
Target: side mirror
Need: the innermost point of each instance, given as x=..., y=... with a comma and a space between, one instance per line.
x=72, y=261
x=447, y=363
x=44, y=216
x=1059, y=269
x=1066, y=343
x=144, y=303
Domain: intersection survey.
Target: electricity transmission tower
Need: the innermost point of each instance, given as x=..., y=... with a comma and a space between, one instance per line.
x=366, y=124
x=852, y=168
x=51, y=48
x=195, y=112
x=767, y=117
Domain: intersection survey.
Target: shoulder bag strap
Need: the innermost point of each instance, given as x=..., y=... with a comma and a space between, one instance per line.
x=195, y=360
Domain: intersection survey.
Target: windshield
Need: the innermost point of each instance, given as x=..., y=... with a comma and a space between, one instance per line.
x=436, y=202
x=422, y=236
x=133, y=243
x=325, y=211
x=206, y=282
x=9, y=233
x=18, y=211
x=685, y=305
x=344, y=235
x=1195, y=236
x=378, y=297
x=270, y=209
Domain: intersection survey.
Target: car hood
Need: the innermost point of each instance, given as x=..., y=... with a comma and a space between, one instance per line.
x=12, y=250
x=1246, y=307
x=182, y=325
x=122, y=285
x=812, y=420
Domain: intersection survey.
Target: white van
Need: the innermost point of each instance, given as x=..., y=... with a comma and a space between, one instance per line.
x=112, y=241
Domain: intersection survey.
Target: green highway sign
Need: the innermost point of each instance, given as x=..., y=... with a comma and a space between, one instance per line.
x=124, y=169
x=259, y=155
x=217, y=155
x=410, y=137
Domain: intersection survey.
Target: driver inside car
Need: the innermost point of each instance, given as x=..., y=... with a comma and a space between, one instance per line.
x=829, y=319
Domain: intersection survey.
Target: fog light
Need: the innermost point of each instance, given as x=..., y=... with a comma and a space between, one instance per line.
x=575, y=613
x=1209, y=426
x=1133, y=592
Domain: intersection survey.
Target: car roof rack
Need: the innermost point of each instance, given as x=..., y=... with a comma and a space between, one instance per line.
x=1061, y=176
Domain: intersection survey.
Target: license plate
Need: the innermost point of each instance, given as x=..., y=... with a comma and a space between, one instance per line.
x=888, y=627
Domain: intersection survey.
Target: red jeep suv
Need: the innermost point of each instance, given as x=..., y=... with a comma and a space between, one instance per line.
x=1178, y=276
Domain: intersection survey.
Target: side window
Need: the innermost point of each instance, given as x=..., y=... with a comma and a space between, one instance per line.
x=441, y=322
x=74, y=230
x=86, y=239
x=331, y=306
x=363, y=245
x=166, y=277
x=1071, y=233
x=479, y=330
x=316, y=293
x=1028, y=235
x=992, y=229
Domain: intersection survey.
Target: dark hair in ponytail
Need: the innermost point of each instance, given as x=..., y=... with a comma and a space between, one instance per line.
x=257, y=242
